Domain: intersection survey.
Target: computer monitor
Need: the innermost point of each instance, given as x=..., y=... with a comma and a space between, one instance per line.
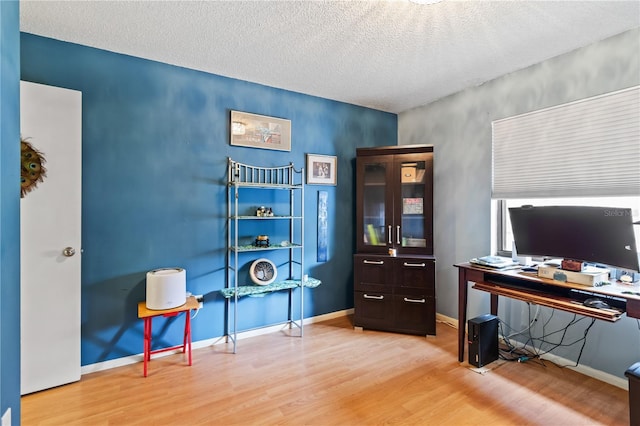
x=603, y=235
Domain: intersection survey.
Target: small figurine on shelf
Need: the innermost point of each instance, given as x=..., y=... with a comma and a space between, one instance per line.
x=262, y=241
x=262, y=211
x=270, y=212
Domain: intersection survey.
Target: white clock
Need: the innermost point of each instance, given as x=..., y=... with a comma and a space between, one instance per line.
x=263, y=272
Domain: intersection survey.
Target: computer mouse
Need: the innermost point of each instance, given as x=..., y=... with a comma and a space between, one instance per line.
x=596, y=303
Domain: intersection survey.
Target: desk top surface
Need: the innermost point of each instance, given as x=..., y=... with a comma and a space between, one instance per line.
x=144, y=312
x=615, y=289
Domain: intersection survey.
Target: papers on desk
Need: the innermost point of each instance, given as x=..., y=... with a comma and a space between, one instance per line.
x=495, y=262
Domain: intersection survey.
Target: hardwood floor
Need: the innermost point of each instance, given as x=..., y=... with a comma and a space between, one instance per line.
x=333, y=376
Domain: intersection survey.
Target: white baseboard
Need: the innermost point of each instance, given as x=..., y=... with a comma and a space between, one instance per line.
x=132, y=359
x=447, y=320
x=582, y=369
x=6, y=418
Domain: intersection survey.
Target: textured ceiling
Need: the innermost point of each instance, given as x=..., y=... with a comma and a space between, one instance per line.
x=387, y=55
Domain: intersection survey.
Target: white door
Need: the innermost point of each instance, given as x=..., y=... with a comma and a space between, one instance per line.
x=51, y=120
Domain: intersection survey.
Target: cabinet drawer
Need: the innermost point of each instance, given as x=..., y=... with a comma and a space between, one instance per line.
x=414, y=314
x=372, y=273
x=372, y=310
x=415, y=273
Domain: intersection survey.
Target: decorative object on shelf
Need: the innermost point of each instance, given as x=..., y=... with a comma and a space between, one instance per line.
x=322, y=169
x=323, y=233
x=413, y=205
x=262, y=211
x=259, y=131
x=263, y=272
x=262, y=241
x=32, y=168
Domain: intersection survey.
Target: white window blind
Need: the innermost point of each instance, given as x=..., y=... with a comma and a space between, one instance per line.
x=589, y=147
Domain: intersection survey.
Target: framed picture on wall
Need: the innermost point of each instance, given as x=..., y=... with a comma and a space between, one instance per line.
x=322, y=169
x=260, y=131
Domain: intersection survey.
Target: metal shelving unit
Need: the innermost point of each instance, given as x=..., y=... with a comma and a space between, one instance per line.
x=283, y=178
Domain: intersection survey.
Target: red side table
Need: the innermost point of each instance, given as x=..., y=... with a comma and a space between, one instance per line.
x=148, y=314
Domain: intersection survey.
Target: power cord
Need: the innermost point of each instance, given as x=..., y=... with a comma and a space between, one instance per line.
x=582, y=339
x=510, y=351
x=529, y=350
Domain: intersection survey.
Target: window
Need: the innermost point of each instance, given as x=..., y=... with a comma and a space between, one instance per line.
x=504, y=237
x=583, y=153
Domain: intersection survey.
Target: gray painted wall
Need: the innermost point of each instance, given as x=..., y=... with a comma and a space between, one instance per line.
x=459, y=127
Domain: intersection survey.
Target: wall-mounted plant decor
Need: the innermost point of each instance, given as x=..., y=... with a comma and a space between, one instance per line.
x=32, y=168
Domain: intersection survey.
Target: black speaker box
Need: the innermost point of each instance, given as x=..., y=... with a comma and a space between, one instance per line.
x=483, y=340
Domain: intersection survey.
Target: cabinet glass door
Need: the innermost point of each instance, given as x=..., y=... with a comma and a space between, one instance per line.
x=374, y=204
x=412, y=230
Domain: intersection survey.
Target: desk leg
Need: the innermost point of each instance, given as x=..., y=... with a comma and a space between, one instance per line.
x=147, y=344
x=462, y=310
x=494, y=304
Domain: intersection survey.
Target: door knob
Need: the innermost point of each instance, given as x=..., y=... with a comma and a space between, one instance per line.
x=69, y=251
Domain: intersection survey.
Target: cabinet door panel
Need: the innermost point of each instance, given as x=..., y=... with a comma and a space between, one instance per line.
x=374, y=204
x=373, y=310
x=373, y=273
x=415, y=273
x=414, y=314
x=413, y=221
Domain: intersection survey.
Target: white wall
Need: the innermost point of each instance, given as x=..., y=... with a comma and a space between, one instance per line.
x=459, y=127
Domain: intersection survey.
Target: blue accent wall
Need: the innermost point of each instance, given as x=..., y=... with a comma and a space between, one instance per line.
x=155, y=147
x=10, y=210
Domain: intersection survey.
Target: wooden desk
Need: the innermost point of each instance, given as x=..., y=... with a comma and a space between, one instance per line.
x=148, y=314
x=554, y=294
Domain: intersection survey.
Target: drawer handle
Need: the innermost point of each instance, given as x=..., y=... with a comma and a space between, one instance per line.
x=373, y=262
x=406, y=299
x=415, y=265
x=366, y=296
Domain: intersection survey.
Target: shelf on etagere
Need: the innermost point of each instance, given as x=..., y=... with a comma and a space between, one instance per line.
x=252, y=290
x=247, y=217
x=250, y=247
